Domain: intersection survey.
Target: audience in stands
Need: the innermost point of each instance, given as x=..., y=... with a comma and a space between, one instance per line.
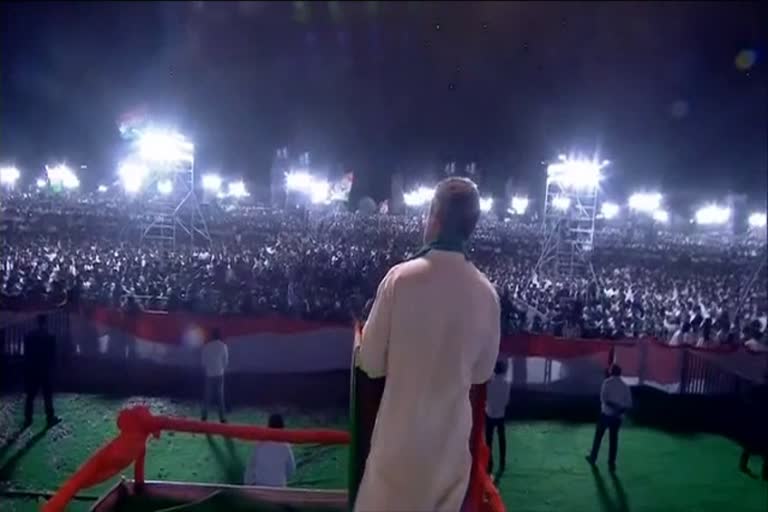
x=682, y=288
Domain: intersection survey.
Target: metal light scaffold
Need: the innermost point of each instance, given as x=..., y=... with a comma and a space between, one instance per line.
x=163, y=169
x=570, y=207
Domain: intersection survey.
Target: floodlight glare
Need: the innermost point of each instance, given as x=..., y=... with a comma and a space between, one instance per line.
x=575, y=174
x=41, y=183
x=562, y=203
x=9, y=176
x=132, y=176
x=645, y=202
x=319, y=192
x=712, y=215
x=62, y=176
x=165, y=187
x=237, y=189
x=661, y=216
x=519, y=204
x=165, y=147
x=102, y=188
x=299, y=181
x=486, y=203
x=212, y=182
x=609, y=210
x=419, y=197
x=757, y=220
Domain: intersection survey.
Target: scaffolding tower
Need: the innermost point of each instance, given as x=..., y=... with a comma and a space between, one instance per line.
x=570, y=207
x=172, y=211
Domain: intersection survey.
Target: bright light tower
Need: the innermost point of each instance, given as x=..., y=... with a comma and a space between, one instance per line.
x=102, y=189
x=132, y=176
x=212, y=182
x=757, y=220
x=165, y=187
x=486, y=204
x=519, y=205
x=164, y=160
x=9, y=176
x=661, y=216
x=40, y=183
x=419, y=197
x=570, y=207
x=62, y=176
x=237, y=189
x=609, y=210
x=645, y=202
x=712, y=215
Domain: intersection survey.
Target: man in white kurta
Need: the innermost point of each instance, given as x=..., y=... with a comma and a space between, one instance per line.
x=433, y=332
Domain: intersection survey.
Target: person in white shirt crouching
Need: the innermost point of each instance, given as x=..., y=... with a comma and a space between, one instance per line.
x=271, y=463
x=215, y=359
x=615, y=400
x=495, y=410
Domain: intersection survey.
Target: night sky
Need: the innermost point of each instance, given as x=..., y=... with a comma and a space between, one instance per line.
x=661, y=89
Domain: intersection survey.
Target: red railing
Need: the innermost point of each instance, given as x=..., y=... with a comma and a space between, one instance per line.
x=137, y=424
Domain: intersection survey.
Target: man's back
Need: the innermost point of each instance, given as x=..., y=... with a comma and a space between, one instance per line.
x=39, y=350
x=441, y=335
x=215, y=357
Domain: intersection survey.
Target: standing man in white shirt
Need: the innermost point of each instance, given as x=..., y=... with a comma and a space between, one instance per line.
x=615, y=400
x=215, y=359
x=271, y=463
x=497, y=397
x=433, y=331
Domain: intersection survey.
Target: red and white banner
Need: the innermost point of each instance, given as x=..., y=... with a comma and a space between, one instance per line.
x=282, y=345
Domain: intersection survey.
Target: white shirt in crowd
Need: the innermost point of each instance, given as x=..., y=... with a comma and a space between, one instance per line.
x=271, y=465
x=497, y=395
x=433, y=332
x=614, y=391
x=215, y=357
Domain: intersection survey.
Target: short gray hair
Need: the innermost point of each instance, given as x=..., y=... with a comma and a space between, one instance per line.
x=456, y=206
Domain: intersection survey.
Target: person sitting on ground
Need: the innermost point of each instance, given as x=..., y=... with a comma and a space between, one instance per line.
x=271, y=463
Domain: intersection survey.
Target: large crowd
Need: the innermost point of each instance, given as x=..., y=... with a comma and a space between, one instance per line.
x=326, y=265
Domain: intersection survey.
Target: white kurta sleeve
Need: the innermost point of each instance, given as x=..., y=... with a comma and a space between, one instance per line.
x=484, y=365
x=375, y=339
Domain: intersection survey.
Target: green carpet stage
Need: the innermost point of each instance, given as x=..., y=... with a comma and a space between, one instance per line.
x=659, y=470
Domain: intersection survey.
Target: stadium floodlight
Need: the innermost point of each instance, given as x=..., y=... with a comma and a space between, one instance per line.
x=757, y=220
x=609, y=210
x=9, y=176
x=645, y=202
x=165, y=147
x=132, y=176
x=319, y=192
x=165, y=187
x=576, y=174
x=62, y=176
x=486, y=203
x=661, y=216
x=237, y=189
x=102, y=188
x=419, y=197
x=299, y=181
x=712, y=215
x=519, y=205
x=562, y=203
x=212, y=182
x=41, y=183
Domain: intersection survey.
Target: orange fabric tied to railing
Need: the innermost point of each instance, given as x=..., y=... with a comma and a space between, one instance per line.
x=136, y=424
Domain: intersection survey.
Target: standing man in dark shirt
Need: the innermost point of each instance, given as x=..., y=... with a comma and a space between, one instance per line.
x=39, y=362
